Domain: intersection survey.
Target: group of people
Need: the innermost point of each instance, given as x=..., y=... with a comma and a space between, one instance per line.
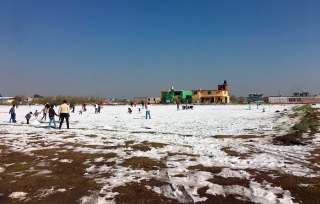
x=84, y=109
x=184, y=107
x=97, y=107
x=147, y=107
x=63, y=113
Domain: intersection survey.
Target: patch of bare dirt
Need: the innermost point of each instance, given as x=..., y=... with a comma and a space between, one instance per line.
x=303, y=189
x=308, y=123
x=25, y=174
x=199, y=167
x=237, y=154
x=144, y=163
x=138, y=193
x=227, y=199
x=290, y=139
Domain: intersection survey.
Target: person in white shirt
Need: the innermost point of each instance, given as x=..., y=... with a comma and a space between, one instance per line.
x=148, y=111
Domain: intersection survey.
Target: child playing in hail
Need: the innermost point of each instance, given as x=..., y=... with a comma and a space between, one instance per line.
x=36, y=113
x=52, y=113
x=28, y=116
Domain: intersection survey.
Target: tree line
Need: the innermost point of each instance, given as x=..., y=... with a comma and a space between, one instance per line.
x=38, y=99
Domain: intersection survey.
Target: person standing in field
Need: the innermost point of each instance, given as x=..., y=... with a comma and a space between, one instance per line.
x=36, y=113
x=64, y=113
x=52, y=113
x=178, y=106
x=13, y=113
x=96, y=108
x=148, y=111
x=99, y=107
x=73, y=108
x=44, y=111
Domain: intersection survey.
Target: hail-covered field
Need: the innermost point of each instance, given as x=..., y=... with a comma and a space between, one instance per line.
x=191, y=154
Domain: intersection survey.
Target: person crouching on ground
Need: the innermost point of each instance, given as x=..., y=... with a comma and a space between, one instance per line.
x=129, y=110
x=28, y=116
x=64, y=113
x=52, y=113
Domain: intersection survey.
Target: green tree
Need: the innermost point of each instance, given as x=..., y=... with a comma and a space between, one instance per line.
x=17, y=98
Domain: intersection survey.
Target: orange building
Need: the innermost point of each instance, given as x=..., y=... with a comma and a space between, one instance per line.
x=219, y=95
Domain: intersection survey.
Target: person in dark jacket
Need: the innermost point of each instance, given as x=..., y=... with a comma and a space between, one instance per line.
x=28, y=116
x=13, y=113
x=52, y=113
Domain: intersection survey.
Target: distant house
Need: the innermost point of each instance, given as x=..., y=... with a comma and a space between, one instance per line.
x=119, y=101
x=171, y=95
x=6, y=100
x=219, y=95
x=146, y=99
x=297, y=97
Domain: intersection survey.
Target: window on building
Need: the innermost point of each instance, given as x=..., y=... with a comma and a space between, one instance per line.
x=195, y=92
x=209, y=92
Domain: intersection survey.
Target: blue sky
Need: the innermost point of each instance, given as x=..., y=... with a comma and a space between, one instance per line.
x=124, y=49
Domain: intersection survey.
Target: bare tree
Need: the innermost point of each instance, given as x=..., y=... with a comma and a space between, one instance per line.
x=23, y=97
x=233, y=98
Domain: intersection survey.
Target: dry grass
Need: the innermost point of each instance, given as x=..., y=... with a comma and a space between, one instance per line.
x=308, y=122
x=247, y=137
x=228, y=199
x=138, y=193
x=236, y=154
x=154, y=144
x=302, y=194
x=144, y=163
x=68, y=176
x=145, y=145
x=315, y=157
x=237, y=136
x=213, y=170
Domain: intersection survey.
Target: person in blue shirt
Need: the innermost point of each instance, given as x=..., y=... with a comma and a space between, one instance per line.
x=13, y=113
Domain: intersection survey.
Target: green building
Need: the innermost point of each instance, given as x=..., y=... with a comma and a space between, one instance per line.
x=181, y=96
